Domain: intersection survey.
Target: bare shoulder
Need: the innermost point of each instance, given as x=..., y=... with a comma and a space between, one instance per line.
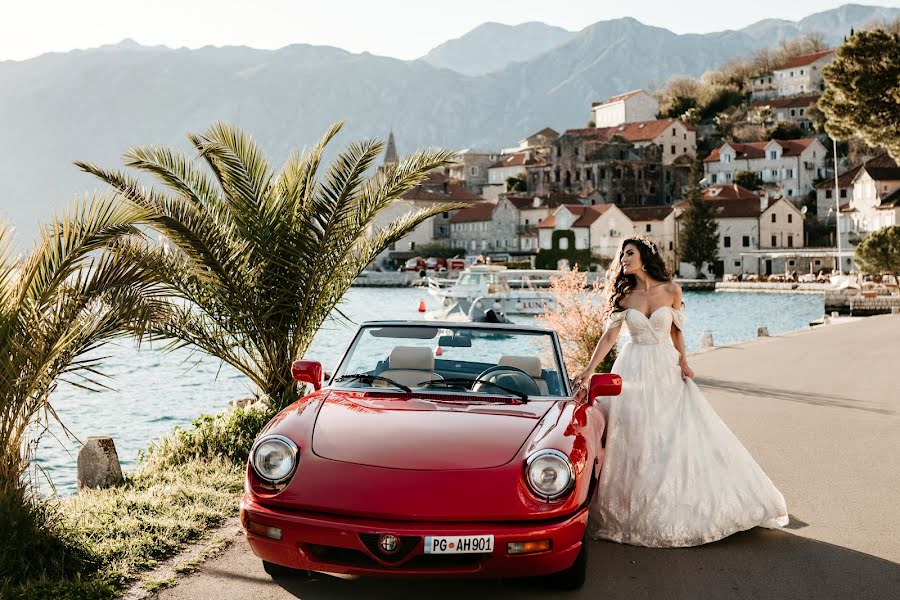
x=674, y=289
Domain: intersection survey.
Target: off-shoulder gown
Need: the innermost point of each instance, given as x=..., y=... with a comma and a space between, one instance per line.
x=673, y=474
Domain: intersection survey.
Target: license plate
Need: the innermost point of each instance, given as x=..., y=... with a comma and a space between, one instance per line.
x=459, y=544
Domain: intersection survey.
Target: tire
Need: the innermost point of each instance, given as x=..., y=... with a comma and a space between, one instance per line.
x=276, y=570
x=572, y=578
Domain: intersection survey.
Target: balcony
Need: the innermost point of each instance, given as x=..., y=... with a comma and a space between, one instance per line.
x=526, y=229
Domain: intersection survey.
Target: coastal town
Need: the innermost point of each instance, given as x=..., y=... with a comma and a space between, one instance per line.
x=331, y=321
x=776, y=201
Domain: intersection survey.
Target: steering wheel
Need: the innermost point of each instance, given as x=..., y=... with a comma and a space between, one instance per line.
x=513, y=378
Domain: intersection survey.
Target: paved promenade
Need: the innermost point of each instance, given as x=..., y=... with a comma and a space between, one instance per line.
x=820, y=411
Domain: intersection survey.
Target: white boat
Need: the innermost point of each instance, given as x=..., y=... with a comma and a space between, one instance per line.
x=519, y=291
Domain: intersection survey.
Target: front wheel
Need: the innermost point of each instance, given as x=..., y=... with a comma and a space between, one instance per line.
x=276, y=570
x=572, y=578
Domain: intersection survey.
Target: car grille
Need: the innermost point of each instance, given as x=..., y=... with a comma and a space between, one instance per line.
x=407, y=545
x=357, y=558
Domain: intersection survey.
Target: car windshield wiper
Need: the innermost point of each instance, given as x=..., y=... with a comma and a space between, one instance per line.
x=366, y=378
x=457, y=381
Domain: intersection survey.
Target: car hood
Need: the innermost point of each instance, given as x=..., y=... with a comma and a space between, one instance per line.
x=422, y=433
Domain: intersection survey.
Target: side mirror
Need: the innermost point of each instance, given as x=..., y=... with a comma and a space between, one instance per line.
x=307, y=371
x=604, y=384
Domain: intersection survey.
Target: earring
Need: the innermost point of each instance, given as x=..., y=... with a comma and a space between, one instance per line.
x=644, y=268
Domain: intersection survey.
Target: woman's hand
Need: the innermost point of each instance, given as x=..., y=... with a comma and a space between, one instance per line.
x=686, y=371
x=582, y=378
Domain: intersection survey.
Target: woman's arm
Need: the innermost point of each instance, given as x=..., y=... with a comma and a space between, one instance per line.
x=607, y=341
x=678, y=335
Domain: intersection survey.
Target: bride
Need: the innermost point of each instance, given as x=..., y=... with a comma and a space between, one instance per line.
x=673, y=474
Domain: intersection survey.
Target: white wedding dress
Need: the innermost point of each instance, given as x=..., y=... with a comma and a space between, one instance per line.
x=673, y=474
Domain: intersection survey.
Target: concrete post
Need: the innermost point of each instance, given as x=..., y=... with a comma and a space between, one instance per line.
x=98, y=463
x=706, y=340
x=762, y=332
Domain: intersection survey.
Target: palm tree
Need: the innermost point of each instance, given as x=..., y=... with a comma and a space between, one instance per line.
x=260, y=260
x=70, y=294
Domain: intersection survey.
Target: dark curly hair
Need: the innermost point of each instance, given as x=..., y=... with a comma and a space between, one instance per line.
x=619, y=285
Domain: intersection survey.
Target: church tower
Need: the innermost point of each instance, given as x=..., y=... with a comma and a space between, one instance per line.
x=390, y=152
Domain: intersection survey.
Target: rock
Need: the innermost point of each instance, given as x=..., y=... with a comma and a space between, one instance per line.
x=762, y=332
x=241, y=402
x=98, y=463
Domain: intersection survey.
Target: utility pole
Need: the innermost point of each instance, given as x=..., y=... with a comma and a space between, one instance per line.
x=837, y=208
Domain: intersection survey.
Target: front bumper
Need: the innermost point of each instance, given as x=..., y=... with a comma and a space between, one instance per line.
x=338, y=544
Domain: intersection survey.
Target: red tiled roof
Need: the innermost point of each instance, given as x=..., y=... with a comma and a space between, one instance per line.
x=480, y=211
x=729, y=192
x=551, y=200
x=641, y=131
x=758, y=149
x=585, y=215
x=439, y=188
x=734, y=209
x=617, y=98
x=805, y=59
x=519, y=159
x=796, y=102
x=647, y=213
x=846, y=178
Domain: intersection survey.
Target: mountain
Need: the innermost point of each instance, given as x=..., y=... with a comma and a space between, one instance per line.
x=94, y=104
x=832, y=24
x=493, y=46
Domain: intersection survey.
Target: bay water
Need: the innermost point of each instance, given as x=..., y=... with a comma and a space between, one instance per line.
x=153, y=390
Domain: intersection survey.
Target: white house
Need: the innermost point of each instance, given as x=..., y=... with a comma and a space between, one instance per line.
x=795, y=110
x=803, y=74
x=789, y=166
x=600, y=228
x=630, y=107
x=658, y=223
x=508, y=166
x=537, y=141
x=738, y=221
x=875, y=202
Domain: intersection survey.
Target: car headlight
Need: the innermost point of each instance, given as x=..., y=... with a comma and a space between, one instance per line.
x=274, y=458
x=549, y=473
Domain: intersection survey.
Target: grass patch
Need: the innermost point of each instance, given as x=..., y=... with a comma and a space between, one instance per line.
x=94, y=544
x=156, y=585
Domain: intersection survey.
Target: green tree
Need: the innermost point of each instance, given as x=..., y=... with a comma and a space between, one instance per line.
x=71, y=293
x=748, y=179
x=699, y=237
x=262, y=259
x=879, y=252
x=517, y=183
x=861, y=94
x=785, y=131
x=438, y=250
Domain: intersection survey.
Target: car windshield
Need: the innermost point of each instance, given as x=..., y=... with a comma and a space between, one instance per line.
x=457, y=359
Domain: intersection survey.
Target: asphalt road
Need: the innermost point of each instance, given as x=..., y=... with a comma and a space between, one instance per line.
x=820, y=411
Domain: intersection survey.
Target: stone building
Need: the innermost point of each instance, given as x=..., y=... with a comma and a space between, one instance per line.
x=471, y=168
x=517, y=216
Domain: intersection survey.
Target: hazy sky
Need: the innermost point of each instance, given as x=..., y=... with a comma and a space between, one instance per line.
x=400, y=28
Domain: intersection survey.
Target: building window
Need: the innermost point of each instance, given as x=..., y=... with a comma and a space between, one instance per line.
x=790, y=192
x=737, y=263
x=790, y=218
x=728, y=177
x=412, y=245
x=727, y=241
x=773, y=154
x=843, y=193
x=673, y=132
x=473, y=170
x=791, y=245
x=672, y=149
x=576, y=150
x=446, y=215
x=828, y=194
x=817, y=262
x=790, y=173
x=671, y=245
x=774, y=217
x=649, y=227
x=774, y=240
x=602, y=173
x=746, y=241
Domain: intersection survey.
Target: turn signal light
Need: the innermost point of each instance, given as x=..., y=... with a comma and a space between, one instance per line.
x=527, y=547
x=264, y=530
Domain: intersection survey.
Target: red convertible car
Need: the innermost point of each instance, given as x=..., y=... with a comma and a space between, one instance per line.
x=436, y=449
